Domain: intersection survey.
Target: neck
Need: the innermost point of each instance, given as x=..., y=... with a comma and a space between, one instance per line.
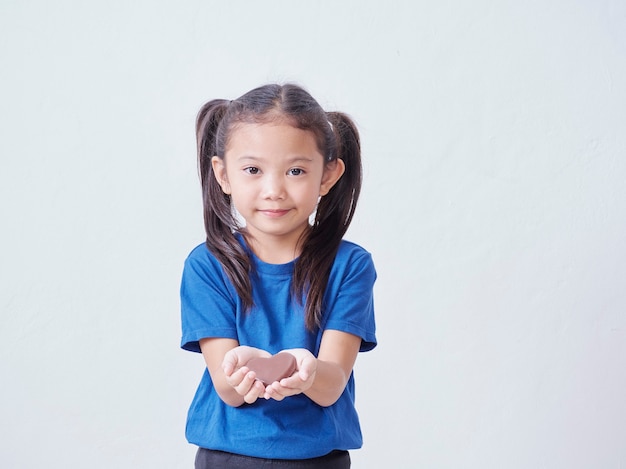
x=273, y=250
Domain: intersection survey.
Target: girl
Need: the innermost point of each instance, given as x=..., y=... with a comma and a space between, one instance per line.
x=280, y=182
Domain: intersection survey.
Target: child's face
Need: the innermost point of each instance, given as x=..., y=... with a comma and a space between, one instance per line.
x=275, y=175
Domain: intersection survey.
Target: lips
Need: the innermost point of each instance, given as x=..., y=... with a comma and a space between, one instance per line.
x=274, y=213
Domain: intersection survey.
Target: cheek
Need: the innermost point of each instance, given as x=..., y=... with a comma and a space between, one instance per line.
x=242, y=194
x=311, y=194
x=238, y=184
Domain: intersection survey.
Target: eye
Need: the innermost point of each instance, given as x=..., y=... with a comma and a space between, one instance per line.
x=251, y=170
x=295, y=171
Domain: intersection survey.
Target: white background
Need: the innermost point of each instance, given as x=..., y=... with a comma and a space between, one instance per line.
x=494, y=204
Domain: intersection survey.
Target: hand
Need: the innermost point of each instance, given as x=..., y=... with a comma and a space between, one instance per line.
x=299, y=382
x=242, y=380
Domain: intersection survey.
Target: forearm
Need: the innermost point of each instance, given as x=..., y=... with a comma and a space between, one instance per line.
x=328, y=385
x=230, y=396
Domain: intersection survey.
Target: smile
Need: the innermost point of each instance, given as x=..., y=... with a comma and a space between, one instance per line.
x=274, y=213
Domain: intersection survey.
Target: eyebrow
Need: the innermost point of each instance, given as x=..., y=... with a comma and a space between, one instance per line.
x=295, y=159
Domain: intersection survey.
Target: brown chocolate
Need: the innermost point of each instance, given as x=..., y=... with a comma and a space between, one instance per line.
x=274, y=368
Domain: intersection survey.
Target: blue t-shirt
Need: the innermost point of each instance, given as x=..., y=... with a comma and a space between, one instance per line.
x=296, y=427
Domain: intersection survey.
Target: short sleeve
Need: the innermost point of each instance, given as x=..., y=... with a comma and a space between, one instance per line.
x=208, y=307
x=350, y=295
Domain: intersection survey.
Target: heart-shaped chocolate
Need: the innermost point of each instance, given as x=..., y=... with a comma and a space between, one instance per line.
x=274, y=368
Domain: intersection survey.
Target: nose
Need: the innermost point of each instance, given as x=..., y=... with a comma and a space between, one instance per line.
x=273, y=187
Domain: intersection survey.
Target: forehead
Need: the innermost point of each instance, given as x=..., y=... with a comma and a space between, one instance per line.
x=270, y=140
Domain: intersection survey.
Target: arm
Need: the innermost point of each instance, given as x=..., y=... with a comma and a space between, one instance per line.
x=338, y=352
x=233, y=381
x=322, y=379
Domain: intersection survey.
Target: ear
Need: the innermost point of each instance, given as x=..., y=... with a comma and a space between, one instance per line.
x=219, y=171
x=332, y=173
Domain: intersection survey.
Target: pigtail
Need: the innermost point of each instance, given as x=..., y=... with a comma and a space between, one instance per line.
x=334, y=214
x=345, y=194
x=219, y=219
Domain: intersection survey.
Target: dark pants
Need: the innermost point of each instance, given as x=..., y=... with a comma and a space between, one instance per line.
x=210, y=459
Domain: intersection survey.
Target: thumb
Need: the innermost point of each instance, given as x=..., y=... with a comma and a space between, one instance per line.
x=307, y=368
x=229, y=363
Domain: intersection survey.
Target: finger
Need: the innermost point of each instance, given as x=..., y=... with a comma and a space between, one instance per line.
x=237, y=377
x=289, y=383
x=256, y=391
x=307, y=368
x=250, y=398
x=246, y=383
x=278, y=392
x=229, y=364
x=273, y=391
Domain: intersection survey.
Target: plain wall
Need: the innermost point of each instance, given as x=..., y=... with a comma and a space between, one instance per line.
x=494, y=204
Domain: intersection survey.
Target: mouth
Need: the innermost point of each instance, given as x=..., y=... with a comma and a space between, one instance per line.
x=274, y=213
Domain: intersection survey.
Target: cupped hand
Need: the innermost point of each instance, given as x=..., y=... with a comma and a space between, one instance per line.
x=299, y=381
x=239, y=376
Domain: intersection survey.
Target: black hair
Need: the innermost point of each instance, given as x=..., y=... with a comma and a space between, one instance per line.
x=336, y=137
